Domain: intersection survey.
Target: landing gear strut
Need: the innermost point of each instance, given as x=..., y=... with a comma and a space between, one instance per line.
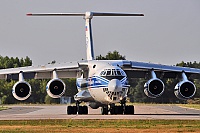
x=73, y=110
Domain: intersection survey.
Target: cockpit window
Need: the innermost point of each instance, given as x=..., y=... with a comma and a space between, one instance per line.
x=113, y=71
x=108, y=73
x=102, y=73
x=113, y=74
x=118, y=72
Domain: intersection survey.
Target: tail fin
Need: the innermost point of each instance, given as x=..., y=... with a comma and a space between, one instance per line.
x=89, y=41
x=88, y=28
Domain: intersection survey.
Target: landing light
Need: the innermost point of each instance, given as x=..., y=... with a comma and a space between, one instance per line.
x=120, y=98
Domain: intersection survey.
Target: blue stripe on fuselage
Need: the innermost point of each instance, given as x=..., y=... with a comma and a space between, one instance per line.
x=98, y=81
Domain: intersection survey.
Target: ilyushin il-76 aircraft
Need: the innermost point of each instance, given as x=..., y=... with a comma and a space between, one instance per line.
x=100, y=83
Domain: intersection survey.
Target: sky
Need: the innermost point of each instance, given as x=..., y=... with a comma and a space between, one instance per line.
x=168, y=33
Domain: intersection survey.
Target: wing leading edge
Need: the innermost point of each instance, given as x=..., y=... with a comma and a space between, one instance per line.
x=139, y=69
x=64, y=70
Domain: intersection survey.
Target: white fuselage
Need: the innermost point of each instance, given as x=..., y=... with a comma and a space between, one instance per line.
x=107, y=83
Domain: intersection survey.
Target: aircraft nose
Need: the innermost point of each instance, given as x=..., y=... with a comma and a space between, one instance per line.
x=114, y=85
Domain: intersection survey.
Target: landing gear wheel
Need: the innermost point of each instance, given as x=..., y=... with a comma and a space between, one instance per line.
x=83, y=110
x=116, y=110
x=69, y=110
x=119, y=110
x=129, y=110
x=123, y=109
x=104, y=110
x=73, y=110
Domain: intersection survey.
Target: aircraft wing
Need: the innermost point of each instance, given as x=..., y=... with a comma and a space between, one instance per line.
x=64, y=70
x=140, y=69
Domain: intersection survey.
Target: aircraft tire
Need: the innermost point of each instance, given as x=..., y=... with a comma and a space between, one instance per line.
x=119, y=110
x=71, y=110
x=74, y=108
x=129, y=110
x=112, y=111
x=104, y=110
x=85, y=110
x=116, y=110
x=80, y=111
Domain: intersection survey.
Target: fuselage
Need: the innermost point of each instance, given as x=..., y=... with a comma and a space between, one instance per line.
x=106, y=83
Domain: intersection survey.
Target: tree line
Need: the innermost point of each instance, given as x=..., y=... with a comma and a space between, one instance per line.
x=136, y=93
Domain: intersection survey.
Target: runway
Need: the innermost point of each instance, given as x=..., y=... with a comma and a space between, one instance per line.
x=33, y=112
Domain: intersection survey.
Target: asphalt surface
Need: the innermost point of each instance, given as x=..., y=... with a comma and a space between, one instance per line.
x=27, y=112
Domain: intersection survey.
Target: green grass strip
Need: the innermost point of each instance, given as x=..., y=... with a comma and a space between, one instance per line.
x=3, y=108
x=108, y=126
x=102, y=123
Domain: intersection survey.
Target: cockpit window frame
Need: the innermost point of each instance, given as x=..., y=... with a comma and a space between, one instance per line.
x=118, y=72
x=108, y=72
x=113, y=73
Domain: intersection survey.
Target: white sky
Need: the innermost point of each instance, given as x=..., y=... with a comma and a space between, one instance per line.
x=168, y=33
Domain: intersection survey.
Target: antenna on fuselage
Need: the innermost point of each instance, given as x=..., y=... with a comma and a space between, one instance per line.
x=88, y=28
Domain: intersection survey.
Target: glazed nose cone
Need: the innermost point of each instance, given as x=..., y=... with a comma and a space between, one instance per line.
x=114, y=85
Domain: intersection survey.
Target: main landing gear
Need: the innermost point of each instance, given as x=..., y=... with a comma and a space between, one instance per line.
x=114, y=110
x=73, y=110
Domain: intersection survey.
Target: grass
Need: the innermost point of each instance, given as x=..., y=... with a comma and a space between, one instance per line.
x=194, y=106
x=108, y=126
x=3, y=108
x=100, y=126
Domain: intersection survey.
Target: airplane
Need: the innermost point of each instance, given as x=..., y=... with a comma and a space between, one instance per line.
x=100, y=83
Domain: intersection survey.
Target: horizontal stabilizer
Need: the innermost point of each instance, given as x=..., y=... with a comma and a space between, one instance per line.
x=55, y=14
x=84, y=14
x=115, y=14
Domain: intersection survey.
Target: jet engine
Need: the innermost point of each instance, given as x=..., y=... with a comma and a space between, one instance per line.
x=55, y=88
x=184, y=90
x=154, y=88
x=21, y=90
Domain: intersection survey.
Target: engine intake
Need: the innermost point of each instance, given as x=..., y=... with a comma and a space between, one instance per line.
x=184, y=90
x=21, y=90
x=154, y=88
x=55, y=88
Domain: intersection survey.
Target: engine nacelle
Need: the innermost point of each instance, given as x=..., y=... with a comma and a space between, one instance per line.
x=184, y=90
x=55, y=88
x=21, y=90
x=154, y=88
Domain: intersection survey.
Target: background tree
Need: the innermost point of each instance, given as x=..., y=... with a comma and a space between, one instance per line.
x=5, y=87
x=136, y=91
x=111, y=56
